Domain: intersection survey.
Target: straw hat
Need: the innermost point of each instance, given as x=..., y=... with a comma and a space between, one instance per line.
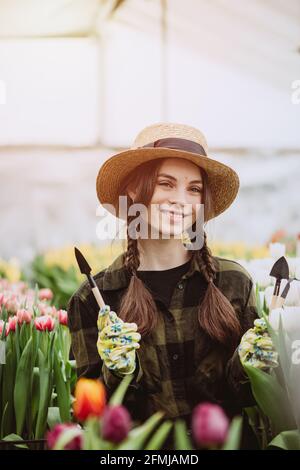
x=168, y=140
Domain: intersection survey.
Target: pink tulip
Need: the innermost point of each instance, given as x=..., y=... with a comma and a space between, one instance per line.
x=53, y=435
x=1, y=298
x=12, y=323
x=62, y=317
x=24, y=316
x=1, y=326
x=116, y=423
x=209, y=425
x=11, y=304
x=45, y=294
x=44, y=323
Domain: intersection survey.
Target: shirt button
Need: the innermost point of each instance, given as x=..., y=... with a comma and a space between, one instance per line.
x=175, y=357
x=180, y=286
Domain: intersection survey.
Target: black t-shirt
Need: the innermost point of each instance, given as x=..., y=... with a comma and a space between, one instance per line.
x=163, y=282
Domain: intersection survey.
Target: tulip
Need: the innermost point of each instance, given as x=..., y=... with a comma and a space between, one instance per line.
x=209, y=425
x=24, y=316
x=12, y=304
x=53, y=436
x=11, y=326
x=1, y=298
x=116, y=423
x=44, y=323
x=62, y=317
x=90, y=398
x=45, y=309
x=45, y=294
x=290, y=317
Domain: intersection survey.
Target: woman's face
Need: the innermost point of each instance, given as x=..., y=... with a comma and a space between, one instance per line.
x=177, y=196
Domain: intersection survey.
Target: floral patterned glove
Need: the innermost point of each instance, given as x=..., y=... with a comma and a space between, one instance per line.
x=256, y=348
x=117, y=341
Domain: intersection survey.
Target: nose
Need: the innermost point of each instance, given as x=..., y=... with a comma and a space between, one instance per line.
x=178, y=197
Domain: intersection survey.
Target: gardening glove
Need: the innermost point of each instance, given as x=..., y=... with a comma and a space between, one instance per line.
x=256, y=348
x=117, y=342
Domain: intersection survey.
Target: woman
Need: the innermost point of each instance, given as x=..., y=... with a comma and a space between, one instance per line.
x=176, y=313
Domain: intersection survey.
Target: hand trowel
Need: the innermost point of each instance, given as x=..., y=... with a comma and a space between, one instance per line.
x=280, y=270
x=86, y=269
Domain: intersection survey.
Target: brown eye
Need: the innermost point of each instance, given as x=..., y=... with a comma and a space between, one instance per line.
x=197, y=190
x=164, y=183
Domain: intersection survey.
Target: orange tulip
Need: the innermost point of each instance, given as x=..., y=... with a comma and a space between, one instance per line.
x=90, y=398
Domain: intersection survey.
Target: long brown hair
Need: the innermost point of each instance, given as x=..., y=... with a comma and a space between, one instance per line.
x=216, y=315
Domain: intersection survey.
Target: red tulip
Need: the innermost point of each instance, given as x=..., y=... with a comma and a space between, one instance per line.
x=116, y=423
x=53, y=435
x=90, y=398
x=44, y=323
x=62, y=317
x=209, y=425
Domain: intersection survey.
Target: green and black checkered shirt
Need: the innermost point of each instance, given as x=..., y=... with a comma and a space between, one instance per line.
x=178, y=365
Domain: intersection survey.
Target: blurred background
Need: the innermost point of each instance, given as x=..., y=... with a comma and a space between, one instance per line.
x=80, y=78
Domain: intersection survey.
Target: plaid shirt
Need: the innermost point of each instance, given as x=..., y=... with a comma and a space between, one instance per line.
x=178, y=365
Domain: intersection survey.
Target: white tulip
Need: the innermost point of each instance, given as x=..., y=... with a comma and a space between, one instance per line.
x=268, y=295
x=293, y=297
x=290, y=318
x=262, y=277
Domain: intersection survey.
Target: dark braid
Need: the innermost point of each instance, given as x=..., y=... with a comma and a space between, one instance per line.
x=137, y=304
x=216, y=315
x=132, y=258
x=206, y=261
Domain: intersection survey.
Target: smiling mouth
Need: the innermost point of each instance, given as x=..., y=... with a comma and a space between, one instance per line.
x=176, y=215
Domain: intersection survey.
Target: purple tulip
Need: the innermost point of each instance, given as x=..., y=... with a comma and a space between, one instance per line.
x=54, y=434
x=209, y=425
x=116, y=423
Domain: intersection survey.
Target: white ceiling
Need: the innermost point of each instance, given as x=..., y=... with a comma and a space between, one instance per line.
x=228, y=65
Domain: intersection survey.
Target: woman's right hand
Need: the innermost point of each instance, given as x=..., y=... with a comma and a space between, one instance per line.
x=117, y=341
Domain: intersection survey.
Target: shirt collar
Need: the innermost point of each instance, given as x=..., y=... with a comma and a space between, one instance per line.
x=117, y=277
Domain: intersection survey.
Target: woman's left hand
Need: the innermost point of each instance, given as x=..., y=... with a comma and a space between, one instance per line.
x=256, y=347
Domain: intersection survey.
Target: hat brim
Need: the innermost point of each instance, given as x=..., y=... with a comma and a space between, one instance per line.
x=223, y=180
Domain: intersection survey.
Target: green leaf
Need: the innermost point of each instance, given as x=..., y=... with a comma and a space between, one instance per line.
x=21, y=388
x=53, y=417
x=62, y=388
x=234, y=434
x=45, y=395
x=159, y=436
x=138, y=436
x=118, y=395
x=12, y=437
x=271, y=398
x=182, y=441
x=287, y=440
x=9, y=375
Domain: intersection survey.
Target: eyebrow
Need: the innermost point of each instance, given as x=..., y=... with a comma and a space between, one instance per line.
x=174, y=179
